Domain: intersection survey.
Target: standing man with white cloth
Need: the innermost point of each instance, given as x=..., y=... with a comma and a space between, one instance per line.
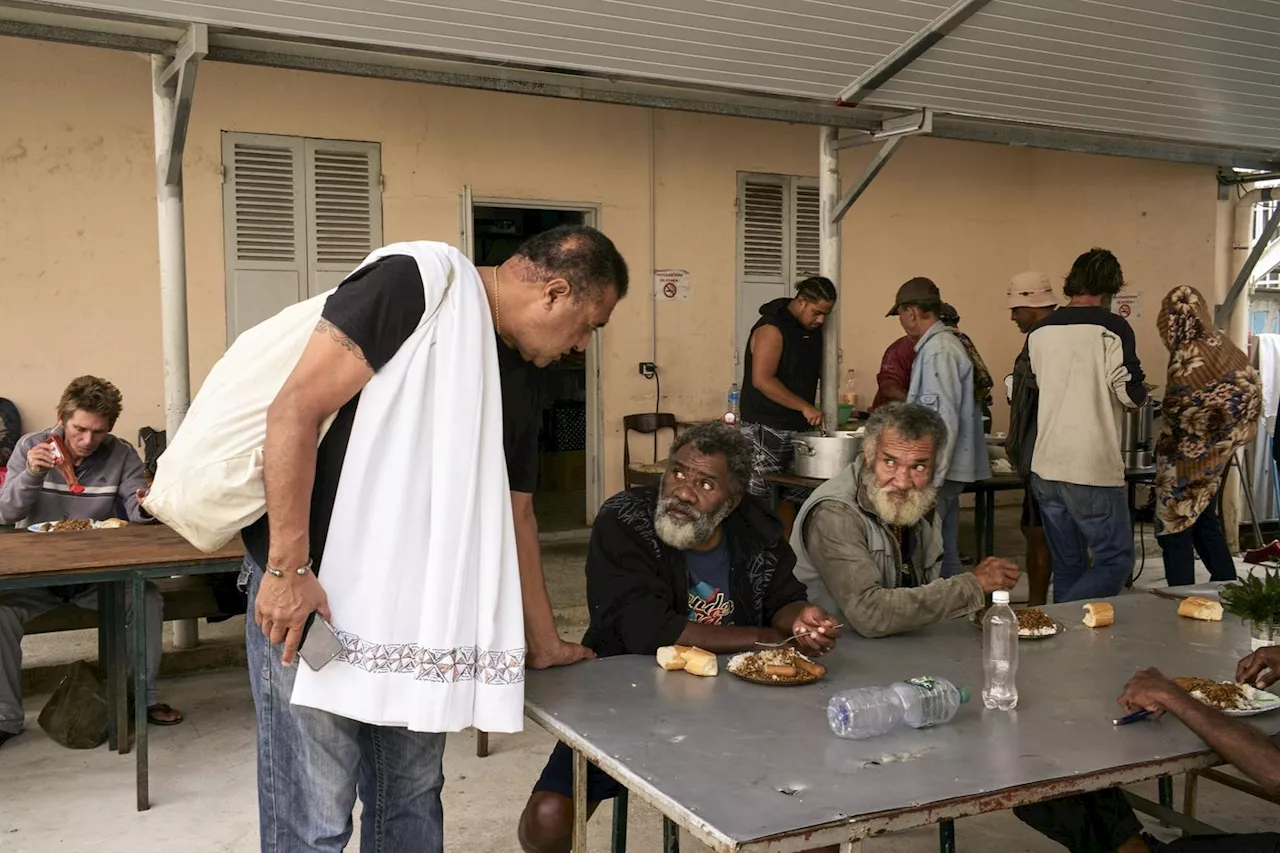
x=398, y=530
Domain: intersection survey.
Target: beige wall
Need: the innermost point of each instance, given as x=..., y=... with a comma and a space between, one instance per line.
x=77, y=217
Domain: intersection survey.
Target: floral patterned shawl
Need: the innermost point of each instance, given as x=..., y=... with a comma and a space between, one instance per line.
x=1212, y=404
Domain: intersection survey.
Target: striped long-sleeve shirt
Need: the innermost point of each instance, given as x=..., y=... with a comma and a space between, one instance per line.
x=111, y=477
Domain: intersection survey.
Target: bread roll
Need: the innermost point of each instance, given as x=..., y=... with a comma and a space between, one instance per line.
x=700, y=662
x=1099, y=614
x=112, y=523
x=1196, y=607
x=670, y=657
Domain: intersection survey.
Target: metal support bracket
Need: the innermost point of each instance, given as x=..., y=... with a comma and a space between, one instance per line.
x=909, y=51
x=1222, y=313
x=873, y=168
x=910, y=124
x=176, y=82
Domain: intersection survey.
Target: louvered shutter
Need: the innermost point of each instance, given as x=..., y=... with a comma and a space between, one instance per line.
x=262, y=227
x=344, y=209
x=806, y=212
x=763, y=249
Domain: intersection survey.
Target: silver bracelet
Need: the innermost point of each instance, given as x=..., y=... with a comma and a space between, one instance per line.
x=301, y=570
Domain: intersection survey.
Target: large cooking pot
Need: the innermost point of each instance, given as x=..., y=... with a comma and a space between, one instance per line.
x=1137, y=445
x=824, y=456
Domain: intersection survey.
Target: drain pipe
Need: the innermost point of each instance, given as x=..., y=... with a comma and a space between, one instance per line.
x=173, y=83
x=829, y=266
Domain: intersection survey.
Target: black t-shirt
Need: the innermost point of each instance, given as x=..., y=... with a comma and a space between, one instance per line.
x=379, y=307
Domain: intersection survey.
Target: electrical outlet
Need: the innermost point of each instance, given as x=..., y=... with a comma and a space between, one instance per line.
x=648, y=369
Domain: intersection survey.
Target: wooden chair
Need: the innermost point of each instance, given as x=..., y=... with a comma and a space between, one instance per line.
x=650, y=423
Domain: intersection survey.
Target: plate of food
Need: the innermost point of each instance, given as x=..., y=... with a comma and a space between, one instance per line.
x=1232, y=699
x=76, y=525
x=776, y=667
x=1033, y=623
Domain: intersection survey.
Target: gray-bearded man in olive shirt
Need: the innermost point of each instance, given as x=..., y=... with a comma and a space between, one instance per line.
x=868, y=542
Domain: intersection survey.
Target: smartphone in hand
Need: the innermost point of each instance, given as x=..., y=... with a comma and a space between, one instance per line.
x=320, y=645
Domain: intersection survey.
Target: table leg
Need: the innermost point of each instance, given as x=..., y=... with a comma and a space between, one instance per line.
x=482, y=744
x=120, y=665
x=1165, y=788
x=579, y=801
x=979, y=526
x=1189, y=786
x=140, y=688
x=991, y=524
x=947, y=836
x=106, y=660
x=620, y=822
x=851, y=846
x=670, y=836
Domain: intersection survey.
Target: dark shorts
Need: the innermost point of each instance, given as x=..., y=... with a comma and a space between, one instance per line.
x=557, y=777
x=774, y=453
x=1030, y=510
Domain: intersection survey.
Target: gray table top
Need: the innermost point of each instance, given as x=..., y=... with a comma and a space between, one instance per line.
x=750, y=762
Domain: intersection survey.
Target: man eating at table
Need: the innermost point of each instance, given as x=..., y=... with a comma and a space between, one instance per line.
x=696, y=562
x=1104, y=820
x=112, y=484
x=868, y=542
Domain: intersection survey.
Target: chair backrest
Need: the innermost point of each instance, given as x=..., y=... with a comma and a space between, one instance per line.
x=649, y=423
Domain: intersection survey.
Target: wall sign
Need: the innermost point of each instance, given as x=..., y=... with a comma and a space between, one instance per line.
x=671, y=285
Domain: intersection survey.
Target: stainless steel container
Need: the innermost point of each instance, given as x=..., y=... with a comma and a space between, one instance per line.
x=1137, y=443
x=824, y=456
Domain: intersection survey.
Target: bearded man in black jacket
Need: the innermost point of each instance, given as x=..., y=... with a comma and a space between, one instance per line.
x=698, y=562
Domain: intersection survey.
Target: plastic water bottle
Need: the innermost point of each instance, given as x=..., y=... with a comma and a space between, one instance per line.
x=872, y=711
x=735, y=394
x=1000, y=654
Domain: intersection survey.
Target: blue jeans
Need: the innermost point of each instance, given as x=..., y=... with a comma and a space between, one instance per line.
x=312, y=763
x=1079, y=520
x=949, y=509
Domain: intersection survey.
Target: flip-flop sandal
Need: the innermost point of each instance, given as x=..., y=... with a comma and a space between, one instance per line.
x=162, y=708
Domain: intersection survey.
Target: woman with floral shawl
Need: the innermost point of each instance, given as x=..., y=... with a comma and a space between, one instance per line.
x=1212, y=404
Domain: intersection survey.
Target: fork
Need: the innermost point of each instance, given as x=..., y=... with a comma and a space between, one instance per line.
x=789, y=639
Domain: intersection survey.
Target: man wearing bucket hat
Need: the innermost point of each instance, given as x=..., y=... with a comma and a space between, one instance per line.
x=943, y=378
x=1031, y=301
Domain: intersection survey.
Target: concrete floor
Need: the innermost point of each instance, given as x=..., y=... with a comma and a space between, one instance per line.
x=203, y=776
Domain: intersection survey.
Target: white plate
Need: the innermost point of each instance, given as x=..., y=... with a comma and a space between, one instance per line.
x=45, y=526
x=1262, y=699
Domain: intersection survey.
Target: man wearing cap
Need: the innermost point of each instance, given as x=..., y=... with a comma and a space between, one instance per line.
x=1031, y=302
x=943, y=378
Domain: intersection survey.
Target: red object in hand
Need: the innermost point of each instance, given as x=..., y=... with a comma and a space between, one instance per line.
x=65, y=468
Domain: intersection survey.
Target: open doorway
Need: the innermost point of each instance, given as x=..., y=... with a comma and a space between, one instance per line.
x=567, y=495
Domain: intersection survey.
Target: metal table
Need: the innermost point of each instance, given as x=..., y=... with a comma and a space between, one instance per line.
x=984, y=502
x=750, y=768
x=115, y=560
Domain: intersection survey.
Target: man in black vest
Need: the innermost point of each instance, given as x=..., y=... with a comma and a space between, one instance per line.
x=780, y=381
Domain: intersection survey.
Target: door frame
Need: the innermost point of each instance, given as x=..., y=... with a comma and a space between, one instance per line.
x=595, y=398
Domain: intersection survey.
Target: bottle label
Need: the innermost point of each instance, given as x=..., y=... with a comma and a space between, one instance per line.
x=924, y=683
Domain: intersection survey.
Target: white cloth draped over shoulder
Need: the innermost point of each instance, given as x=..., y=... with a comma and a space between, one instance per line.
x=420, y=562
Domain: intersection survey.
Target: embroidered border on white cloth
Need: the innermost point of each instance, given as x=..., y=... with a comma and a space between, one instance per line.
x=468, y=663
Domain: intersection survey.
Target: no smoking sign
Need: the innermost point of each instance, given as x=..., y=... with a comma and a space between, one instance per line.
x=671, y=285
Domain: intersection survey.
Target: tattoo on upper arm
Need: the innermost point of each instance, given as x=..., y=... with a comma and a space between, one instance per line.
x=324, y=327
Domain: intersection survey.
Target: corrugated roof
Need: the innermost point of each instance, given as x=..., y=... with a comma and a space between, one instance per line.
x=1179, y=70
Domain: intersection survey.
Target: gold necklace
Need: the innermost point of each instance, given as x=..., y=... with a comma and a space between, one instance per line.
x=497, y=303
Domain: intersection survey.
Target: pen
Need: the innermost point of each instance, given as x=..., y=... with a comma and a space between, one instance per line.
x=1131, y=718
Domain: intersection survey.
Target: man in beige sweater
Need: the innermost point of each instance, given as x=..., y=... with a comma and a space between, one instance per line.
x=869, y=541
